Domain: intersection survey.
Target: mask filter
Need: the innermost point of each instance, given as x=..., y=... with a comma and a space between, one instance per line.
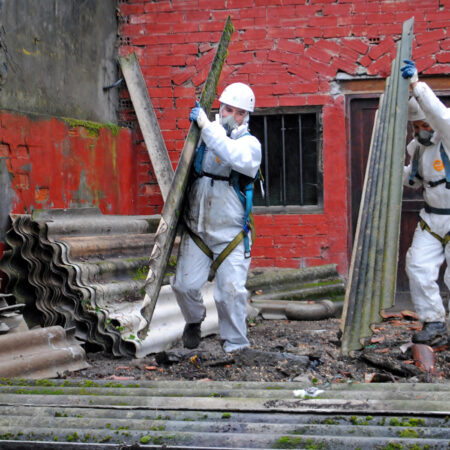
x=424, y=137
x=229, y=124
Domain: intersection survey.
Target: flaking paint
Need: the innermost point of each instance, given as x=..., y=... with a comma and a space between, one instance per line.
x=67, y=163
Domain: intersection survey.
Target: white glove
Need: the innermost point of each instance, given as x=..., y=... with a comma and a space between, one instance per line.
x=202, y=119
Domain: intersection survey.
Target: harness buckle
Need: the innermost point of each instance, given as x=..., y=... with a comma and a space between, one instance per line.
x=247, y=255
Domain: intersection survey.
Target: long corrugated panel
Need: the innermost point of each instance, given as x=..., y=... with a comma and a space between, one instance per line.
x=79, y=268
x=40, y=353
x=372, y=276
x=219, y=415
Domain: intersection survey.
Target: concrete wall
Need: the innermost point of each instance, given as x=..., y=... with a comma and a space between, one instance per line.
x=57, y=55
x=292, y=53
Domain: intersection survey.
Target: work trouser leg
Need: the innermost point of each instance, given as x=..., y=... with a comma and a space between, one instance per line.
x=191, y=274
x=231, y=297
x=423, y=261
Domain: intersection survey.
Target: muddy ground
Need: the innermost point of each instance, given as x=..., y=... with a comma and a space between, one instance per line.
x=283, y=350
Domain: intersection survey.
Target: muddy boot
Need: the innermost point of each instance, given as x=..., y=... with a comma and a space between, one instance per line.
x=191, y=335
x=431, y=334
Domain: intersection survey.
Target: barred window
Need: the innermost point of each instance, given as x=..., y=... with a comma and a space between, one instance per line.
x=291, y=160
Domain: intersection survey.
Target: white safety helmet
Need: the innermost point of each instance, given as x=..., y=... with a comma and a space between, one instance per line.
x=238, y=95
x=414, y=111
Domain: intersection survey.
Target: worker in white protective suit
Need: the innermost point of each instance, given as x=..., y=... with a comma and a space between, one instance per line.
x=215, y=215
x=429, y=168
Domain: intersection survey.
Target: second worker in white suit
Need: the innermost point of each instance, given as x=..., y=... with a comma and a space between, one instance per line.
x=430, y=169
x=215, y=215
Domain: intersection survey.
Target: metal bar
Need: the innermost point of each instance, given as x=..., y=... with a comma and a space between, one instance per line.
x=381, y=126
x=396, y=190
x=300, y=149
x=353, y=298
x=266, y=164
x=148, y=122
x=283, y=150
x=173, y=206
x=371, y=312
x=349, y=314
x=372, y=276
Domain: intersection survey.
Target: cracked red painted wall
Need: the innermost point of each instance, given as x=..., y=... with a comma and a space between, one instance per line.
x=55, y=164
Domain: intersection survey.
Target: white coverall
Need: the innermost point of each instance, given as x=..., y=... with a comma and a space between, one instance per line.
x=426, y=254
x=215, y=213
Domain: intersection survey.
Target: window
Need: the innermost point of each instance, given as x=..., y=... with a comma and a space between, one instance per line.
x=291, y=160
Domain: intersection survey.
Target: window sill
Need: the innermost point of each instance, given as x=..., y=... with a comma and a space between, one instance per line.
x=310, y=209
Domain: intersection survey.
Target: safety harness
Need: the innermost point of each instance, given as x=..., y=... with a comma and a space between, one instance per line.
x=244, y=189
x=415, y=169
x=443, y=240
x=431, y=209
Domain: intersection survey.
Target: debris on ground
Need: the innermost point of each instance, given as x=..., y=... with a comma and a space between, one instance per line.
x=288, y=350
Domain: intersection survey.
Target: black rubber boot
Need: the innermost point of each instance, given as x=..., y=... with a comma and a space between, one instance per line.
x=431, y=333
x=191, y=335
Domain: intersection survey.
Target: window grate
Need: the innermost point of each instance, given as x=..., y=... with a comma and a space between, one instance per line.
x=290, y=165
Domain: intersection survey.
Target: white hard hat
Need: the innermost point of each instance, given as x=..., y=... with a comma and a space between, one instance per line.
x=238, y=95
x=414, y=111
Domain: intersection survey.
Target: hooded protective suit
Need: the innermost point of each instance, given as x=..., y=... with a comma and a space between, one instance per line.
x=427, y=253
x=215, y=214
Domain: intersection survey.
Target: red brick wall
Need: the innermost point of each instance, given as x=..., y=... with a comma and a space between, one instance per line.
x=290, y=52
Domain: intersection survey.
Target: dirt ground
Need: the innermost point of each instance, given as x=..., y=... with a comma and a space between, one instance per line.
x=283, y=350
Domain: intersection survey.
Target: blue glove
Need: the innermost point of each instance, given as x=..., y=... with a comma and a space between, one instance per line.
x=195, y=111
x=409, y=71
x=198, y=115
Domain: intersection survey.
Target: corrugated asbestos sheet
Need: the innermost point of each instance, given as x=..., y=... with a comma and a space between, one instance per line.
x=81, y=269
x=40, y=353
x=372, y=276
x=222, y=415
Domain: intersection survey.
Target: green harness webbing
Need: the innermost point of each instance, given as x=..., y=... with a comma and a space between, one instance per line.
x=247, y=202
x=226, y=251
x=443, y=240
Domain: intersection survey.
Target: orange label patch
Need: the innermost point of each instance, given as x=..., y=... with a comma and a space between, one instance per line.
x=438, y=165
x=218, y=160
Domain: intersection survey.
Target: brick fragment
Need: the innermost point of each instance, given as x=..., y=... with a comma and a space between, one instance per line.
x=385, y=46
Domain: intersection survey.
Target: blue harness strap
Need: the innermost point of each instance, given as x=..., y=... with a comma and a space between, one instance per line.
x=446, y=162
x=415, y=167
x=198, y=161
x=246, y=197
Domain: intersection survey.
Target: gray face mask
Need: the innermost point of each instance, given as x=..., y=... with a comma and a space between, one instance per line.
x=229, y=124
x=424, y=137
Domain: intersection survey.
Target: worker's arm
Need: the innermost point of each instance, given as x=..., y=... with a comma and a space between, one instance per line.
x=436, y=113
x=243, y=155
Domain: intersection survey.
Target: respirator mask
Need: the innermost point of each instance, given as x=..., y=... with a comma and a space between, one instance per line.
x=424, y=137
x=228, y=123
